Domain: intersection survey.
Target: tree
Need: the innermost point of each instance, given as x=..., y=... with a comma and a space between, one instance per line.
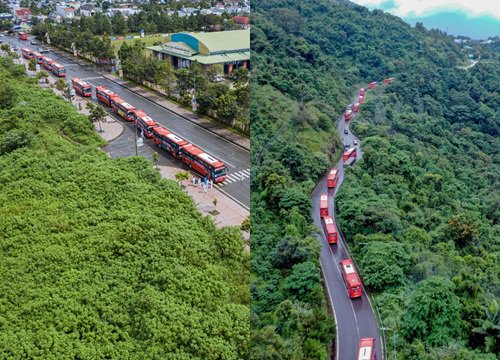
x=245, y=225
x=8, y=96
x=383, y=265
x=42, y=75
x=118, y=23
x=490, y=327
x=432, y=313
x=290, y=251
x=61, y=85
x=97, y=114
x=304, y=278
x=32, y=65
x=181, y=176
x=156, y=158
x=165, y=76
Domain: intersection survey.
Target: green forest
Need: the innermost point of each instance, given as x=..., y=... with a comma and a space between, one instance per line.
x=419, y=211
x=101, y=258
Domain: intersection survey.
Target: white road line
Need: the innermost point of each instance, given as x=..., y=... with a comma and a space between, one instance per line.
x=247, y=172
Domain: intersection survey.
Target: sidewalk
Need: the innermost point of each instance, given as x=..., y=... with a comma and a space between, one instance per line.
x=226, y=213
x=188, y=115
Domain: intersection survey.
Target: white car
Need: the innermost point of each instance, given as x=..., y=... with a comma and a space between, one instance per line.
x=355, y=142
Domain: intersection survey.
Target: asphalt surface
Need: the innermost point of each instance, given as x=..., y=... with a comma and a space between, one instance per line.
x=237, y=160
x=354, y=317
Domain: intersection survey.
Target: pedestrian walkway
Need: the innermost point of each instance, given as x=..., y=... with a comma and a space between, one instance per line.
x=188, y=115
x=235, y=177
x=92, y=78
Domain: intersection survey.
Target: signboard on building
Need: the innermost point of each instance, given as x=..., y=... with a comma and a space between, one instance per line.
x=178, y=48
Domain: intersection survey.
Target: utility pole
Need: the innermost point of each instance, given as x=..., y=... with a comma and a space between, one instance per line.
x=135, y=137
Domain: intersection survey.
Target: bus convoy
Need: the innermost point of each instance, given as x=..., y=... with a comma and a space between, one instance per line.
x=350, y=276
x=179, y=148
x=49, y=64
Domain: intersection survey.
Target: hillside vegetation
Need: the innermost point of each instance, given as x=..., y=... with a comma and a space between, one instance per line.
x=420, y=210
x=99, y=257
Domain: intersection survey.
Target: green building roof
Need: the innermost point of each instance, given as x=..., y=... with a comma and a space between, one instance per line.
x=208, y=48
x=224, y=40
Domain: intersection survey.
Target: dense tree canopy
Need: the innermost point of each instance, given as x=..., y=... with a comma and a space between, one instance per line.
x=100, y=257
x=421, y=205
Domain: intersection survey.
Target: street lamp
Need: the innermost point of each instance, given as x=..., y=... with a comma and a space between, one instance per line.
x=393, y=338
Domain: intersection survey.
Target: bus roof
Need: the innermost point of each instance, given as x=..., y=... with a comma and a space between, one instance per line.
x=57, y=65
x=36, y=53
x=148, y=120
x=350, y=151
x=328, y=220
x=324, y=197
x=351, y=275
x=366, y=346
x=161, y=130
x=126, y=105
x=105, y=91
x=333, y=171
x=203, y=155
x=178, y=140
x=25, y=49
x=140, y=113
x=80, y=81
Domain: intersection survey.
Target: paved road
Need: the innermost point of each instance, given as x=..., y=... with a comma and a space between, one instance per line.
x=354, y=318
x=237, y=184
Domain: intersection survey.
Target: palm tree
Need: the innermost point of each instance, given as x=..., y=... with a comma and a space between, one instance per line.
x=97, y=114
x=490, y=327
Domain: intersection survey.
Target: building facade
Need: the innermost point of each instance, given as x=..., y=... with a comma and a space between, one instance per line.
x=231, y=49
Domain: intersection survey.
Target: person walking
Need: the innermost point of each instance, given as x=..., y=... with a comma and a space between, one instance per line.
x=194, y=180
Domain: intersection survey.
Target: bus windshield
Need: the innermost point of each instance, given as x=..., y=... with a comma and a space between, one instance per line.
x=220, y=171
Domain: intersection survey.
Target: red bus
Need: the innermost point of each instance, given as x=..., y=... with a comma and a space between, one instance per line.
x=388, y=80
x=349, y=153
x=372, y=84
x=38, y=57
x=355, y=107
x=361, y=99
x=323, y=205
x=23, y=36
x=47, y=62
x=362, y=92
x=58, y=69
x=367, y=349
x=122, y=108
x=332, y=178
x=168, y=141
x=348, y=115
x=203, y=163
x=330, y=229
x=144, y=122
x=351, y=279
x=81, y=87
x=104, y=95
x=26, y=53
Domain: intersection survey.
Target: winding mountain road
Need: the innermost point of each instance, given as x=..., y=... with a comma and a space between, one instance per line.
x=354, y=318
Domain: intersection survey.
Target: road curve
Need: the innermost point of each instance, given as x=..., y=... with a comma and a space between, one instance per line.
x=354, y=318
